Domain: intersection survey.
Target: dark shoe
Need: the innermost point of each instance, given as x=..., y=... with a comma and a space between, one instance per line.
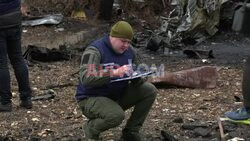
x=239, y=114
x=26, y=103
x=90, y=139
x=6, y=107
x=88, y=135
x=131, y=136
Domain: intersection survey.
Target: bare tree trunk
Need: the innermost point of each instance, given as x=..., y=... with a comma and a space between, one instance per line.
x=105, y=9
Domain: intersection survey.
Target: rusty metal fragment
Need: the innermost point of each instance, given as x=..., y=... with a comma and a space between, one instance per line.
x=200, y=77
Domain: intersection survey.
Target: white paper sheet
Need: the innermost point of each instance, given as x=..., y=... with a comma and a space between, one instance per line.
x=134, y=75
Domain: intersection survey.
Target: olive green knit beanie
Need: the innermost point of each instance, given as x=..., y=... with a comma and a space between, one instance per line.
x=122, y=29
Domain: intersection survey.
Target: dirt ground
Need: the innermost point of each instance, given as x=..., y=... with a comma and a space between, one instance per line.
x=60, y=118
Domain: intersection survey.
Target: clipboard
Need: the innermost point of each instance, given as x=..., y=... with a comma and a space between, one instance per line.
x=134, y=76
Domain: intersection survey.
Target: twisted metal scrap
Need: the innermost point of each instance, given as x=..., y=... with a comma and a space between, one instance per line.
x=190, y=19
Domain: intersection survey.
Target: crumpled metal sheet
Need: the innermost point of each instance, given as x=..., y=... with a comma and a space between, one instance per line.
x=47, y=19
x=190, y=19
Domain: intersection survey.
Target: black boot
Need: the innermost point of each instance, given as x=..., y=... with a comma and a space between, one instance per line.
x=5, y=107
x=131, y=136
x=26, y=103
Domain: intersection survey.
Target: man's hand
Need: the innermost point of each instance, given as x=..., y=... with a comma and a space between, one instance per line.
x=24, y=9
x=121, y=71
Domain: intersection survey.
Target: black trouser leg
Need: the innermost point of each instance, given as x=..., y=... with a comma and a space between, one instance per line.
x=246, y=84
x=18, y=63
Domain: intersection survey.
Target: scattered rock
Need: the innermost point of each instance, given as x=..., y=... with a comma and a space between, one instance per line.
x=193, y=126
x=167, y=137
x=178, y=120
x=204, y=132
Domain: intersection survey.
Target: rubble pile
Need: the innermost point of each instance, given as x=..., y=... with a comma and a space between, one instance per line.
x=64, y=7
x=146, y=9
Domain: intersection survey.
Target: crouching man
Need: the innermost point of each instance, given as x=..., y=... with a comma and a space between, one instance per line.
x=104, y=102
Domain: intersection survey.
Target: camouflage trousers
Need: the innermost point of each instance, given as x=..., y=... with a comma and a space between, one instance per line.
x=104, y=113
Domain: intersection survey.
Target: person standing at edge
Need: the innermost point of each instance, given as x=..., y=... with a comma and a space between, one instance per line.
x=104, y=103
x=10, y=46
x=244, y=112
